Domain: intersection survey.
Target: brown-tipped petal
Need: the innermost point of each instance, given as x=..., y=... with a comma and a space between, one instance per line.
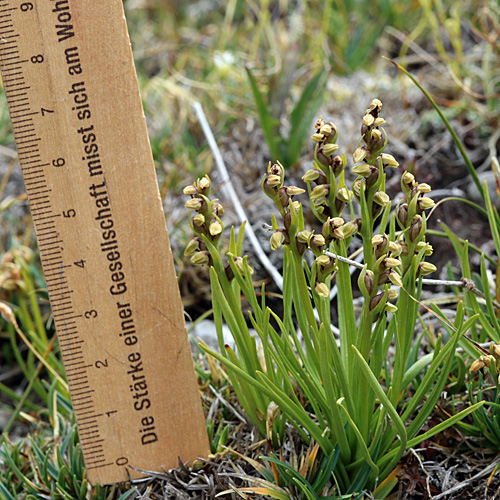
x=276, y=169
x=375, y=301
x=403, y=214
x=283, y=197
x=416, y=227
x=368, y=281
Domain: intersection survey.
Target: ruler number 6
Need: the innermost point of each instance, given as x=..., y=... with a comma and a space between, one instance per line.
x=26, y=6
x=59, y=162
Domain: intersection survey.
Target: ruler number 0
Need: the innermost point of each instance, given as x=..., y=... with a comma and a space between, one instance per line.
x=26, y=6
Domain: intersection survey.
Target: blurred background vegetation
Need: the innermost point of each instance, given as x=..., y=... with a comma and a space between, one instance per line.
x=250, y=64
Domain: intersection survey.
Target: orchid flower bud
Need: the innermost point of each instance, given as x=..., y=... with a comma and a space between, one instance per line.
x=277, y=239
x=194, y=204
x=200, y=259
x=388, y=160
x=360, y=154
x=322, y=290
x=215, y=228
x=190, y=190
x=310, y=175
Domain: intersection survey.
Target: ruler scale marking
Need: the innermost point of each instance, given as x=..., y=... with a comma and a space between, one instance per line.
x=94, y=200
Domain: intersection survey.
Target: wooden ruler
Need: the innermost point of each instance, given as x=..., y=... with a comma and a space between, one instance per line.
x=81, y=136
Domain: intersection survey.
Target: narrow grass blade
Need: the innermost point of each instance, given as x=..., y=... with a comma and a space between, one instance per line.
x=267, y=122
x=303, y=115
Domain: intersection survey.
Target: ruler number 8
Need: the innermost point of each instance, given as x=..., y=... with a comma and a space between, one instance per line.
x=26, y=6
x=37, y=59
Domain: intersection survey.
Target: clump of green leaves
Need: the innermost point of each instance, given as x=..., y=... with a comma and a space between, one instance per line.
x=50, y=464
x=344, y=393
x=287, y=147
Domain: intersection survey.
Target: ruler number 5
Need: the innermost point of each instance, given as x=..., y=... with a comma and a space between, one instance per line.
x=69, y=213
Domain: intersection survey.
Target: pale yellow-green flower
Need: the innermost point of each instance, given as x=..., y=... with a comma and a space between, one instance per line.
x=322, y=290
x=193, y=204
x=277, y=240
